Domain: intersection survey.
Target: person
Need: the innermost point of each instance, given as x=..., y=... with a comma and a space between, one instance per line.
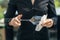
x=26, y=10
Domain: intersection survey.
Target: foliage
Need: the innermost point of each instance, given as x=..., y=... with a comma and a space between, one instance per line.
x=1, y=12
x=57, y=3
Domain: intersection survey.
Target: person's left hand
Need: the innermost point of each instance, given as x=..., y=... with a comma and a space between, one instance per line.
x=47, y=23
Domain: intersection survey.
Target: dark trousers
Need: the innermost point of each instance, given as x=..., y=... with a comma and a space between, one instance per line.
x=27, y=32
x=9, y=33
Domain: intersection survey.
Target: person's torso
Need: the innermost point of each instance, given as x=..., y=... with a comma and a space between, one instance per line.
x=27, y=29
x=27, y=9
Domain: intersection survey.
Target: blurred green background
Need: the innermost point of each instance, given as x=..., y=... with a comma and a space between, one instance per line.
x=3, y=6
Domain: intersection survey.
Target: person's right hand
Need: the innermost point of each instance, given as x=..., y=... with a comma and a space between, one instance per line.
x=15, y=22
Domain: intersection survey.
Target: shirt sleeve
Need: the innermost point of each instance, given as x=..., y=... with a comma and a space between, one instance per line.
x=10, y=11
x=52, y=11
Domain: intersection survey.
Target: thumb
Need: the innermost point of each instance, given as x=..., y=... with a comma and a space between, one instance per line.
x=19, y=16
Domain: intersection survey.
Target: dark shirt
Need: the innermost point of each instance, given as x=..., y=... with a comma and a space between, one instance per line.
x=25, y=7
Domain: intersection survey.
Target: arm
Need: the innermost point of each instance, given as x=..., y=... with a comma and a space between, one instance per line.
x=10, y=11
x=52, y=11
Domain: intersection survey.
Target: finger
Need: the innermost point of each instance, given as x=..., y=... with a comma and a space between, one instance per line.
x=48, y=25
x=47, y=22
x=16, y=19
x=19, y=16
x=17, y=24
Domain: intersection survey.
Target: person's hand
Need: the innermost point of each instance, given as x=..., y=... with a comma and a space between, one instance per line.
x=47, y=23
x=15, y=22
